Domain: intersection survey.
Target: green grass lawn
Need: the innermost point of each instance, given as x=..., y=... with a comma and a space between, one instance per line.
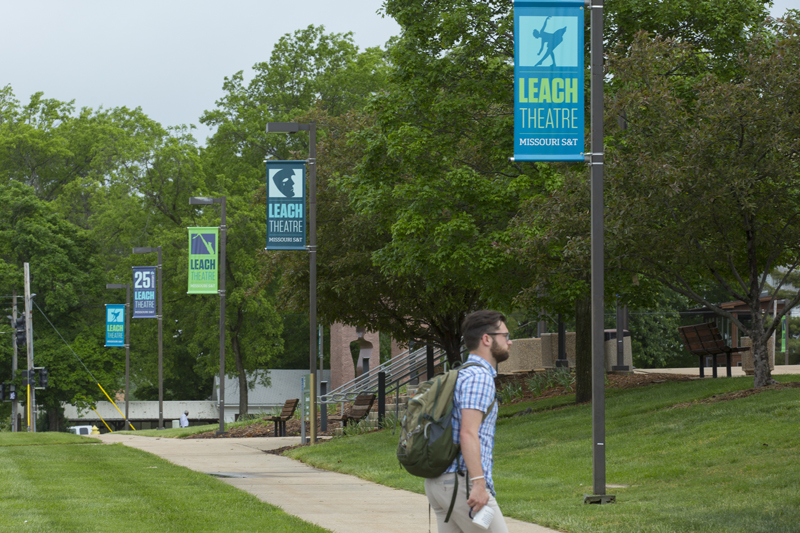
x=185, y=432
x=56, y=482
x=731, y=466
x=24, y=438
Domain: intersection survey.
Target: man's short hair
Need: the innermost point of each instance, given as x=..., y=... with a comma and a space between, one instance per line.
x=186, y=412
x=479, y=323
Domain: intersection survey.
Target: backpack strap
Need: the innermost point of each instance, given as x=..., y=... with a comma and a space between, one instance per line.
x=453, y=500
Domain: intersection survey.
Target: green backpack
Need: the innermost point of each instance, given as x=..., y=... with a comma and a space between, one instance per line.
x=426, y=446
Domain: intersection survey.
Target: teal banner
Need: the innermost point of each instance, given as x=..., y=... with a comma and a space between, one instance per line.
x=286, y=205
x=548, y=80
x=115, y=325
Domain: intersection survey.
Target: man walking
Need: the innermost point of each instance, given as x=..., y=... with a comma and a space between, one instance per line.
x=474, y=417
x=185, y=419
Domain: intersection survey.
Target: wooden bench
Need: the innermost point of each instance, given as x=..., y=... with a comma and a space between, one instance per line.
x=703, y=340
x=360, y=409
x=286, y=413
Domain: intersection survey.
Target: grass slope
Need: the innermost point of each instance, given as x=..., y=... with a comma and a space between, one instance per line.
x=65, y=488
x=688, y=465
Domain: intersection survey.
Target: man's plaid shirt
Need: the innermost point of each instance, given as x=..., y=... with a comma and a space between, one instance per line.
x=475, y=390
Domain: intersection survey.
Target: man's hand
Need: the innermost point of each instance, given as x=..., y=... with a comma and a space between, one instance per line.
x=478, y=496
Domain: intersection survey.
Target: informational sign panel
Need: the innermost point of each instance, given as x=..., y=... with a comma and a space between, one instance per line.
x=115, y=325
x=203, y=260
x=286, y=205
x=144, y=292
x=548, y=80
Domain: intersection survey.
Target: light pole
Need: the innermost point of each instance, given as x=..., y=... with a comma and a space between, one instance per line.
x=291, y=128
x=160, y=311
x=127, y=339
x=203, y=200
x=596, y=160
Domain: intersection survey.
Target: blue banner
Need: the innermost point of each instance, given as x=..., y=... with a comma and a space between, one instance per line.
x=115, y=325
x=548, y=80
x=144, y=292
x=286, y=205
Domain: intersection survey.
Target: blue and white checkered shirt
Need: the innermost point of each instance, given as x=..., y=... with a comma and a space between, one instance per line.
x=475, y=390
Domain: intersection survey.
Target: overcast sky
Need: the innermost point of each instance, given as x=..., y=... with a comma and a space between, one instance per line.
x=168, y=56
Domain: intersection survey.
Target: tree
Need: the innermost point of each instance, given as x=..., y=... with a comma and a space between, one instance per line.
x=64, y=274
x=432, y=188
x=307, y=68
x=654, y=333
x=717, y=32
x=552, y=230
x=706, y=187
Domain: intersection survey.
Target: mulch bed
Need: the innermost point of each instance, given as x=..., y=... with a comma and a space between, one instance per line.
x=267, y=429
x=261, y=429
x=735, y=395
x=615, y=381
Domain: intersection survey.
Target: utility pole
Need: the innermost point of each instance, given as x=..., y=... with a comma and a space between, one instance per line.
x=31, y=401
x=14, y=405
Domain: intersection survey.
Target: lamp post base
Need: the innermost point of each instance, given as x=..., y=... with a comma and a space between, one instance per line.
x=599, y=498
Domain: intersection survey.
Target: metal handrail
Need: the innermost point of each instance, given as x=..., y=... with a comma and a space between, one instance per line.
x=401, y=369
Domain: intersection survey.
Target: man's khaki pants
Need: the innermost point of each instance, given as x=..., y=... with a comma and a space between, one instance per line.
x=440, y=493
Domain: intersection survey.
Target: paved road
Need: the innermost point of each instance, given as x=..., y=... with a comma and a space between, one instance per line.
x=338, y=502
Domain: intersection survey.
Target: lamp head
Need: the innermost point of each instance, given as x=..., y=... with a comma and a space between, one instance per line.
x=201, y=200
x=285, y=127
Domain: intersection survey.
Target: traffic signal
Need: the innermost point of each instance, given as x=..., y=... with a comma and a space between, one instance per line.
x=19, y=325
x=2, y=392
x=24, y=374
x=43, y=377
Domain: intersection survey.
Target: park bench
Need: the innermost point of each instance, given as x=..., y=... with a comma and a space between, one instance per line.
x=286, y=413
x=359, y=410
x=703, y=340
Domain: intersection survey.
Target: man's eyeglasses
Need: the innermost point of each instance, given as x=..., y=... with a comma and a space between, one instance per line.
x=507, y=335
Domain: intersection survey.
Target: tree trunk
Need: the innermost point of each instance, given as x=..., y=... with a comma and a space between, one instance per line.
x=241, y=374
x=452, y=347
x=762, y=375
x=583, y=348
x=53, y=417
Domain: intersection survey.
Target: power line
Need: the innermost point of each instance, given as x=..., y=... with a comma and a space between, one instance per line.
x=63, y=339
x=84, y=366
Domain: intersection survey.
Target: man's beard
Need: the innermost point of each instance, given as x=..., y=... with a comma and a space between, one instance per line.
x=500, y=353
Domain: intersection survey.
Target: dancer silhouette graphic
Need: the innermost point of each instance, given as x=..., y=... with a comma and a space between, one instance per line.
x=552, y=40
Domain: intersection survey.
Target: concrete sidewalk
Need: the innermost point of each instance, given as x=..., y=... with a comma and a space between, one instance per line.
x=736, y=371
x=338, y=502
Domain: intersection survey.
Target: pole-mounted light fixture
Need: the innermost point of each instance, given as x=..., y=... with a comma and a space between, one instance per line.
x=127, y=341
x=160, y=316
x=311, y=128
x=205, y=200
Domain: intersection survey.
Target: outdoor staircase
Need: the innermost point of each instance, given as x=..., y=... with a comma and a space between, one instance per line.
x=402, y=372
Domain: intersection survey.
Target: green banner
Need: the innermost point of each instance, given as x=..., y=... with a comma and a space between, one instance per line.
x=783, y=337
x=203, y=260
